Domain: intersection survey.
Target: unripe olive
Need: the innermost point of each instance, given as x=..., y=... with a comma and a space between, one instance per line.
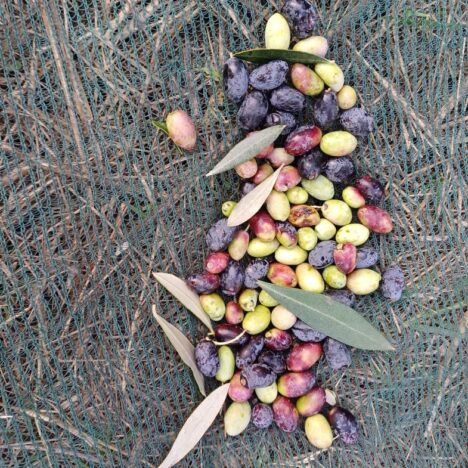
x=227, y=364
x=237, y=391
x=316, y=45
x=297, y=195
x=234, y=314
x=303, y=356
x=282, y=318
x=346, y=97
x=227, y=207
x=264, y=171
x=279, y=156
x=181, y=129
x=339, y=143
x=295, y=384
x=306, y=80
x=363, y=281
x=320, y=188
x=263, y=226
x=282, y=275
x=248, y=299
x=353, y=197
x=337, y=211
x=238, y=247
x=216, y=262
x=354, y=233
x=334, y=277
x=331, y=74
x=312, y=402
x=376, y=219
x=267, y=300
x=259, y=248
x=318, y=431
x=307, y=238
x=213, y=305
x=288, y=177
x=290, y=255
x=267, y=394
x=257, y=321
x=309, y=278
x=247, y=169
x=278, y=206
x=237, y=418
x=325, y=229
x=277, y=33
x=345, y=256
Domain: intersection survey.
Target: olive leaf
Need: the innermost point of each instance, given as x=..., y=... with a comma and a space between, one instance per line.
x=253, y=201
x=330, y=317
x=183, y=347
x=291, y=56
x=247, y=149
x=185, y=295
x=196, y=426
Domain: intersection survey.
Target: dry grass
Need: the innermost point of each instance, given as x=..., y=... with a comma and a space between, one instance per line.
x=93, y=199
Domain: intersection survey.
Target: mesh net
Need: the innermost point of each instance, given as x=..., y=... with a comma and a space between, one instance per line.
x=93, y=199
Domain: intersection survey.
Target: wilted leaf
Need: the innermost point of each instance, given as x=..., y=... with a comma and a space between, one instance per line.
x=196, y=426
x=184, y=294
x=247, y=149
x=253, y=201
x=291, y=56
x=328, y=316
x=183, y=347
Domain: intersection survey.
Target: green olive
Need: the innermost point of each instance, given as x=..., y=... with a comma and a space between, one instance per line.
x=257, y=321
x=307, y=238
x=325, y=230
x=354, y=233
x=320, y=188
x=248, y=299
x=237, y=418
x=290, y=255
x=297, y=195
x=265, y=299
x=309, y=278
x=363, y=281
x=213, y=305
x=337, y=211
x=227, y=364
x=334, y=277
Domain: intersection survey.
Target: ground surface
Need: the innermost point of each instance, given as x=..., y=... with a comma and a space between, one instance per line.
x=93, y=199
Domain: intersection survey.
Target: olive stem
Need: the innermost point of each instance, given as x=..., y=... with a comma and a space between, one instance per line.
x=222, y=343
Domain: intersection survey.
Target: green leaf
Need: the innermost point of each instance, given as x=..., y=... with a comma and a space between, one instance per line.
x=247, y=149
x=160, y=125
x=185, y=295
x=330, y=317
x=196, y=426
x=291, y=56
x=183, y=347
x=253, y=201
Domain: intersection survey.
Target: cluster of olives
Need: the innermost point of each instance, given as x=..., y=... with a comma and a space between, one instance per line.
x=306, y=235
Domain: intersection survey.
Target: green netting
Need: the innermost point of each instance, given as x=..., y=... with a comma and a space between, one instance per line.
x=93, y=199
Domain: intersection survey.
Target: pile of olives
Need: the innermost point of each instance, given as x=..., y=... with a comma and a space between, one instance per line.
x=311, y=234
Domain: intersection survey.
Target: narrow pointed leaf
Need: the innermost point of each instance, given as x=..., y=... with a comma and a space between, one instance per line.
x=185, y=295
x=291, y=56
x=247, y=149
x=183, y=347
x=253, y=201
x=196, y=426
x=330, y=317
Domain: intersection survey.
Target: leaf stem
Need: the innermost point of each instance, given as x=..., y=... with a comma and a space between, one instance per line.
x=234, y=340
